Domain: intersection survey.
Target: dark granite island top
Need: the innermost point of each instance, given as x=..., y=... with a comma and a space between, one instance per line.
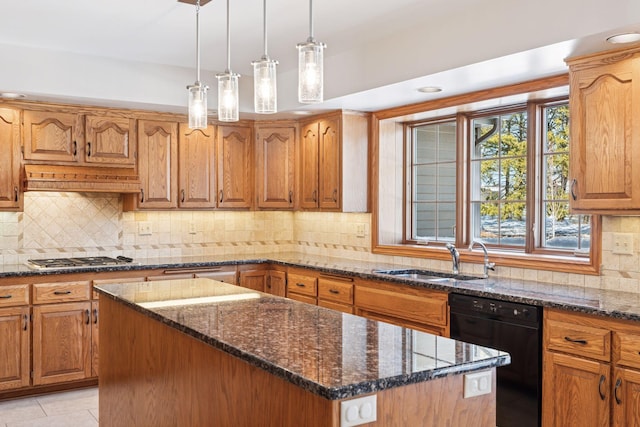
x=329, y=354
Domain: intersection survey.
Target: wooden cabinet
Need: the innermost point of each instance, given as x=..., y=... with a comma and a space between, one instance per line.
x=15, y=336
x=158, y=164
x=197, y=174
x=277, y=283
x=253, y=277
x=110, y=141
x=61, y=332
x=95, y=338
x=333, y=157
x=53, y=136
x=275, y=166
x=10, y=194
x=605, y=134
x=302, y=285
x=235, y=166
x=336, y=292
x=590, y=371
x=422, y=309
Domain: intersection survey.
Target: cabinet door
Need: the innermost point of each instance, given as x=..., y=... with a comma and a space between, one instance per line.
x=234, y=157
x=110, y=141
x=10, y=159
x=14, y=336
x=197, y=178
x=158, y=152
x=95, y=337
x=330, y=176
x=61, y=342
x=254, y=279
x=277, y=283
x=626, y=398
x=575, y=391
x=309, y=141
x=52, y=136
x=275, y=167
x=605, y=136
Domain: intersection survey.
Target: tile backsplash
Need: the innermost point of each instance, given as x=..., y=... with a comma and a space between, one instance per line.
x=87, y=224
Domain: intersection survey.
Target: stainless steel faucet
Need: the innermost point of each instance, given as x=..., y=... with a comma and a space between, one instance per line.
x=455, y=257
x=487, y=265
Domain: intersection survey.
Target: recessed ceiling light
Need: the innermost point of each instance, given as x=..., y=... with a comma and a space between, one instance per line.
x=430, y=89
x=624, y=38
x=11, y=95
x=302, y=112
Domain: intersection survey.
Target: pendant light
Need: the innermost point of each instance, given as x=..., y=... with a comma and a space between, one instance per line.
x=228, y=86
x=197, y=91
x=265, y=97
x=310, y=67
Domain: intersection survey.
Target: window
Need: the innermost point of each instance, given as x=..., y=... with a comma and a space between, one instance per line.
x=514, y=192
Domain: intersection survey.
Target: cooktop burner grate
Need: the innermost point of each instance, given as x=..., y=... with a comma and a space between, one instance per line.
x=51, y=263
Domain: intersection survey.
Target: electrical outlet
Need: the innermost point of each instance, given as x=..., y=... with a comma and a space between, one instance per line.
x=192, y=228
x=477, y=384
x=144, y=228
x=360, y=230
x=358, y=411
x=623, y=243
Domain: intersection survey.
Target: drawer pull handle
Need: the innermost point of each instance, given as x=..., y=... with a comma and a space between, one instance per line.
x=602, y=380
x=615, y=391
x=88, y=149
x=300, y=285
x=581, y=342
x=6, y=296
x=88, y=314
x=61, y=292
x=334, y=291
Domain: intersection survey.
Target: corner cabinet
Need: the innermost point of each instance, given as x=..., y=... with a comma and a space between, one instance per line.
x=234, y=160
x=158, y=164
x=197, y=175
x=10, y=194
x=333, y=157
x=275, y=166
x=605, y=134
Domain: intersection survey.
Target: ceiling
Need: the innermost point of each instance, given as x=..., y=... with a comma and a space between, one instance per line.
x=141, y=53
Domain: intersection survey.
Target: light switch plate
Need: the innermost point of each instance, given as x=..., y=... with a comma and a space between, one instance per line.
x=144, y=228
x=622, y=243
x=362, y=410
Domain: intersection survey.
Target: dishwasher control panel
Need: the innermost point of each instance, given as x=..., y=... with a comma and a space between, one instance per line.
x=503, y=310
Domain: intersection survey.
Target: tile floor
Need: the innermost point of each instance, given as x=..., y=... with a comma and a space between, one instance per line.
x=78, y=408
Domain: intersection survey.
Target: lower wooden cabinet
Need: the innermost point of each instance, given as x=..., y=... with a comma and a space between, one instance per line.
x=15, y=339
x=590, y=371
x=61, y=342
x=95, y=337
x=253, y=278
x=302, y=285
x=277, y=283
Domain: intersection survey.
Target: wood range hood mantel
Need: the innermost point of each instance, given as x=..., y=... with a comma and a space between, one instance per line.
x=80, y=179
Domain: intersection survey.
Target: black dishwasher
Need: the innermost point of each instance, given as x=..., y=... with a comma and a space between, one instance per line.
x=517, y=329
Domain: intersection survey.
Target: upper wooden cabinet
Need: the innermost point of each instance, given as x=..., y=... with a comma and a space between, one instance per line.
x=66, y=137
x=197, y=175
x=605, y=134
x=110, y=141
x=275, y=166
x=334, y=157
x=234, y=160
x=158, y=165
x=10, y=195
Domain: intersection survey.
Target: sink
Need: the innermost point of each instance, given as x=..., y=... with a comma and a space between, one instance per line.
x=426, y=275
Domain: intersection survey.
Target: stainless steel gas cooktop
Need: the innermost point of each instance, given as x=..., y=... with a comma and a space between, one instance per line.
x=80, y=262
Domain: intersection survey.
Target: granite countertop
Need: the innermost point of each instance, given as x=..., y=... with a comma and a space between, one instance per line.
x=332, y=354
x=614, y=304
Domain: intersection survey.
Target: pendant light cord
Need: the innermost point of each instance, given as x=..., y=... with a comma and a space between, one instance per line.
x=228, y=41
x=310, y=20
x=198, y=41
x=264, y=20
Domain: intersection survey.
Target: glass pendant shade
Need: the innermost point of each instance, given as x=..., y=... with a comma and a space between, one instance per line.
x=265, y=97
x=228, y=96
x=310, y=72
x=197, y=106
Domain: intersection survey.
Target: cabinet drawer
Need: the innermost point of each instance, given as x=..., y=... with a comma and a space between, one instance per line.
x=45, y=293
x=627, y=349
x=14, y=295
x=300, y=284
x=580, y=340
x=335, y=290
x=430, y=307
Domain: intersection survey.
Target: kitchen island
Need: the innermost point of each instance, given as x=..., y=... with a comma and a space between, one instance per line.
x=201, y=352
